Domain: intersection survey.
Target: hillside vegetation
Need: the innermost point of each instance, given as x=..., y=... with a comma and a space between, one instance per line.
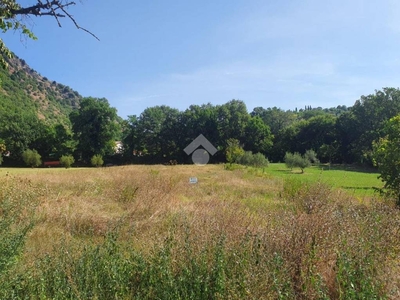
x=23, y=90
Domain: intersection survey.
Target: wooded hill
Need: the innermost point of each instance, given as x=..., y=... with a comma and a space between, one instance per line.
x=44, y=115
x=25, y=91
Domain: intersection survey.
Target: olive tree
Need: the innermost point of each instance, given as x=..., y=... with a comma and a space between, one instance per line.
x=296, y=160
x=32, y=158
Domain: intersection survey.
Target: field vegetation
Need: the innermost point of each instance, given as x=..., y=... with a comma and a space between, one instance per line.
x=357, y=181
x=144, y=232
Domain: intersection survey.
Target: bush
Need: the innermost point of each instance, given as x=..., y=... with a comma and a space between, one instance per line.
x=1, y=159
x=32, y=158
x=67, y=161
x=246, y=159
x=296, y=160
x=259, y=160
x=233, y=151
x=97, y=160
x=289, y=160
x=311, y=156
x=302, y=162
x=255, y=160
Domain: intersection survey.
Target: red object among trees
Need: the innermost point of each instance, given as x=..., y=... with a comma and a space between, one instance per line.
x=52, y=163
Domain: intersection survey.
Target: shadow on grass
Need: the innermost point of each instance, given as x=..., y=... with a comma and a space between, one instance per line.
x=349, y=168
x=359, y=188
x=284, y=171
x=291, y=172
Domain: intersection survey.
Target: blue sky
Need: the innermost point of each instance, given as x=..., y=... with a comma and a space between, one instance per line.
x=267, y=53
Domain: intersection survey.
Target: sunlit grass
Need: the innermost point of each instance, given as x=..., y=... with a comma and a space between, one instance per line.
x=146, y=232
x=357, y=181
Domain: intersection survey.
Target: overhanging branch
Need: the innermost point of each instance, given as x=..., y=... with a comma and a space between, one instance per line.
x=50, y=8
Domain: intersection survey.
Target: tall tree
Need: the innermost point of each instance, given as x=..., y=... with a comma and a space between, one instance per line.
x=19, y=130
x=370, y=116
x=386, y=157
x=315, y=132
x=95, y=127
x=276, y=118
x=258, y=137
x=155, y=133
x=232, y=119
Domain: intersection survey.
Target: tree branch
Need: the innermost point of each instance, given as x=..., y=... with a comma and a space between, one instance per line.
x=49, y=8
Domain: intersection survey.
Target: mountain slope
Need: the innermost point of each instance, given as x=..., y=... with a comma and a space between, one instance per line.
x=23, y=90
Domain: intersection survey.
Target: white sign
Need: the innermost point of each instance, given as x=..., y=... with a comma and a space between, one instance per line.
x=193, y=180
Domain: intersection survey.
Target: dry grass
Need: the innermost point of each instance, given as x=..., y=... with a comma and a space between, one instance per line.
x=280, y=239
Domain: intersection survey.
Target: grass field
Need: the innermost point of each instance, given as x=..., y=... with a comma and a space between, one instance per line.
x=357, y=181
x=145, y=232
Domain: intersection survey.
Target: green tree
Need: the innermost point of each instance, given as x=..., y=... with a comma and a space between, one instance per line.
x=67, y=161
x=44, y=140
x=63, y=142
x=369, y=115
x=276, y=118
x=258, y=137
x=31, y=158
x=259, y=160
x=289, y=160
x=302, y=162
x=233, y=151
x=200, y=119
x=155, y=133
x=3, y=147
x=386, y=156
x=346, y=134
x=2, y=150
x=311, y=156
x=95, y=127
x=328, y=152
x=232, y=118
x=315, y=132
x=130, y=136
x=256, y=160
x=19, y=130
x=97, y=160
x=296, y=160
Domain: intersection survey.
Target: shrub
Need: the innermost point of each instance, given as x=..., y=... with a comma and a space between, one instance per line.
x=67, y=160
x=32, y=158
x=259, y=160
x=97, y=160
x=233, y=151
x=296, y=160
x=302, y=162
x=311, y=156
x=246, y=159
x=1, y=159
x=289, y=160
x=255, y=160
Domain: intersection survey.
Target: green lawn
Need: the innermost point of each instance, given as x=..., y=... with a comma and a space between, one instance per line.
x=358, y=181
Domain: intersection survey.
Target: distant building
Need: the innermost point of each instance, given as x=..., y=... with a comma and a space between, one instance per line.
x=119, y=147
x=137, y=153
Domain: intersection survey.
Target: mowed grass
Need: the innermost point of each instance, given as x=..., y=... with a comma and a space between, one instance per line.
x=357, y=181
x=145, y=232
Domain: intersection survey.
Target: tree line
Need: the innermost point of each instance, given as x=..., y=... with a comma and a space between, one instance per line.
x=160, y=133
